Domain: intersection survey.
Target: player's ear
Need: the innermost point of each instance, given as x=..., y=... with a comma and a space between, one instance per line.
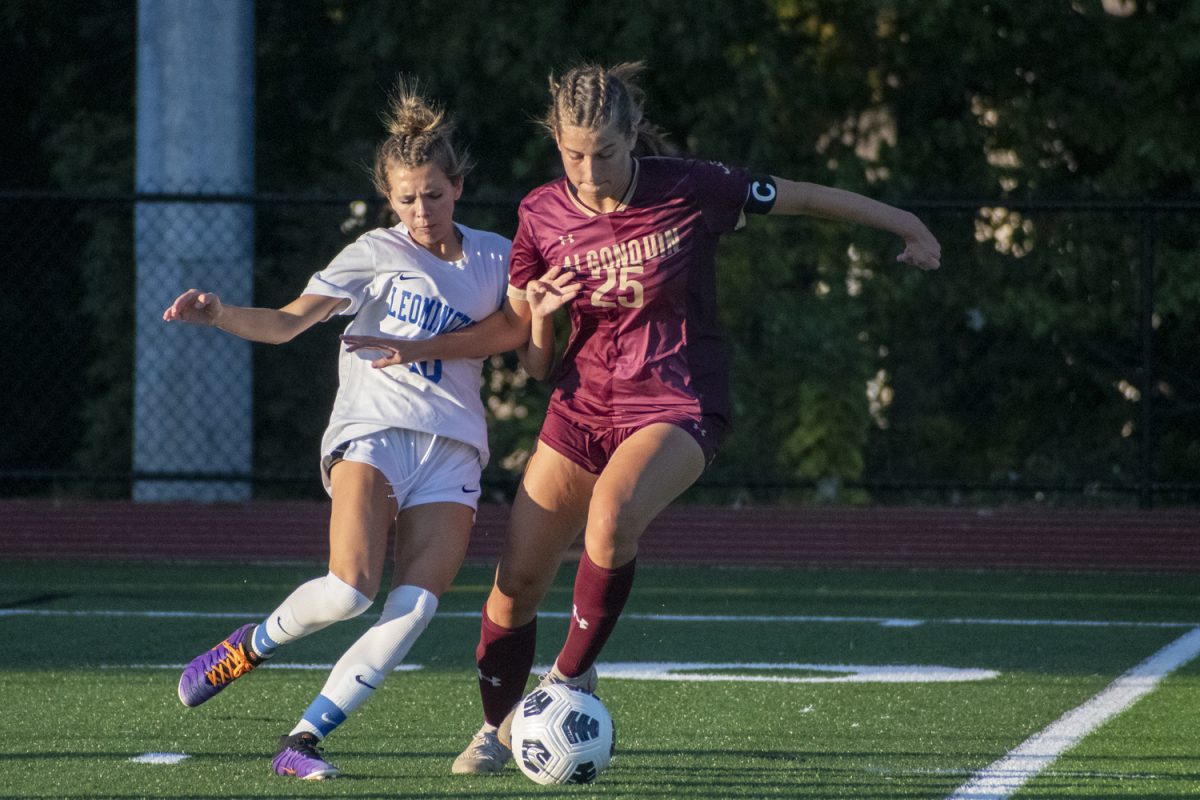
x=458, y=184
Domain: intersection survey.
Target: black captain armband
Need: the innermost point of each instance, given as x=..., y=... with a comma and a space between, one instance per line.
x=761, y=197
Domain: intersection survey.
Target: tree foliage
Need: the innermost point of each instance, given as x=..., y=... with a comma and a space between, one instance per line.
x=1018, y=362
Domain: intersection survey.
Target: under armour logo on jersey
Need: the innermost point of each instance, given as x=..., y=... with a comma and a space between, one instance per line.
x=580, y=621
x=487, y=678
x=568, y=239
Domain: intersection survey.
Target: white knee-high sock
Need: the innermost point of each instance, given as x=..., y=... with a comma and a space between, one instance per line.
x=311, y=607
x=362, y=668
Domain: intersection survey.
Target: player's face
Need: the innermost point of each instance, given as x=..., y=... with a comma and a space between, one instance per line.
x=423, y=197
x=598, y=163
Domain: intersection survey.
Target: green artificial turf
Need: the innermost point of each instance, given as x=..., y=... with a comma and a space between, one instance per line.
x=90, y=663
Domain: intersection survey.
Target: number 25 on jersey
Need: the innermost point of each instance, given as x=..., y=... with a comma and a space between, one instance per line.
x=629, y=292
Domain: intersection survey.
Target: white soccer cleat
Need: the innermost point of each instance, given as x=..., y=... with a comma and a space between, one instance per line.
x=485, y=755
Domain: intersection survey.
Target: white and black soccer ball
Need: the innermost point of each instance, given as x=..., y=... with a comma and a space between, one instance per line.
x=562, y=734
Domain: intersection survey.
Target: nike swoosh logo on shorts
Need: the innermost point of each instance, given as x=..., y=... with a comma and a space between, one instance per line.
x=359, y=678
x=465, y=490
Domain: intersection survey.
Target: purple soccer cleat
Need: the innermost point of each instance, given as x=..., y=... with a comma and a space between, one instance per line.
x=299, y=757
x=214, y=669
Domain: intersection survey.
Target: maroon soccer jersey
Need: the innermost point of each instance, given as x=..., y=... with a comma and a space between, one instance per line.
x=645, y=338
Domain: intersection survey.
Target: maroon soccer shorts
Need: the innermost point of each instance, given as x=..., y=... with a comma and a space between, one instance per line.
x=591, y=446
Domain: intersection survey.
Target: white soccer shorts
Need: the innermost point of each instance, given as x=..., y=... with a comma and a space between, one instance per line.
x=421, y=467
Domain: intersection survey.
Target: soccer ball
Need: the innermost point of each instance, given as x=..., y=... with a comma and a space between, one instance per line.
x=562, y=734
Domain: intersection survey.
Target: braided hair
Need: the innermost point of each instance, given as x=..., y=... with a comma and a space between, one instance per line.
x=593, y=97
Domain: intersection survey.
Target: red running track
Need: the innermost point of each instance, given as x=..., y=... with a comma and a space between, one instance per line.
x=1162, y=540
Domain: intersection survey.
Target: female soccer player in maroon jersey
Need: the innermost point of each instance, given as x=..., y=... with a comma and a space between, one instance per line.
x=641, y=399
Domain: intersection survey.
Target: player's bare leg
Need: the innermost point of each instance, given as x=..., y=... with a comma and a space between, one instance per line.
x=548, y=513
x=546, y=518
x=646, y=472
x=362, y=514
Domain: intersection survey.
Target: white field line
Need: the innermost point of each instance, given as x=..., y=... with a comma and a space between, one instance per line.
x=1001, y=779
x=843, y=673
x=694, y=671
x=890, y=622
x=169, y=759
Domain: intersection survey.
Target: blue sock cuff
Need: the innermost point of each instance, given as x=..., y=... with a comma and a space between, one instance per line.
x=324, y=715
x=263, y=645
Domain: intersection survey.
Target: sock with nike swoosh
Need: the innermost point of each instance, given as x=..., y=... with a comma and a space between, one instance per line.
x=313, y=606
x=363, y=667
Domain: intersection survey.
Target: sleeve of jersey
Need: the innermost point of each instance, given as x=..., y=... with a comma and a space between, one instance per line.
x=348, y=276
x=721, y=192
x=525, y=261
x=504, y=250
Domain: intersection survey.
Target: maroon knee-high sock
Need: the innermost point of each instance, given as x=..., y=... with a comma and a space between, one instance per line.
x=600, y=595
x=505, y=657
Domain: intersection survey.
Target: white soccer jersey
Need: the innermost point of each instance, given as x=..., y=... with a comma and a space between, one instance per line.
x=398, y=288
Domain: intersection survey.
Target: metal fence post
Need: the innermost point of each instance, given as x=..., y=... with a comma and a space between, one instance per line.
x=1146, y=235
x=195, y=134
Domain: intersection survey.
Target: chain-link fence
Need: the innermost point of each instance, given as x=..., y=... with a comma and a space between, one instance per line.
x=1052, y=358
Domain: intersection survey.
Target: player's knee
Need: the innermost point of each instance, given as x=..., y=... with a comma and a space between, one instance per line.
x=613, y=525
x=343, y=601
x=524, y=585
x=514, y=603
x=412, y=604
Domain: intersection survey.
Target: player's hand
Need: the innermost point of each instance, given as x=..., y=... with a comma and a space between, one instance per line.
x=194, y=306
x=921, y=249
x=395, y=351
x=552, y=291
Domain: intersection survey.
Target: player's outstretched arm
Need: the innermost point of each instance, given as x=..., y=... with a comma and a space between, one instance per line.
x=498, y=333
x=921, y=249
x=270, y=325
x=507, y=329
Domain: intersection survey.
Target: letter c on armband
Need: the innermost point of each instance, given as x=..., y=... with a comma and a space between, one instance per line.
x=761, y=197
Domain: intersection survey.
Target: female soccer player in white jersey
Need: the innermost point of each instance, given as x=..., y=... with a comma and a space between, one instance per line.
x=404, y=444
x=641, y=401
